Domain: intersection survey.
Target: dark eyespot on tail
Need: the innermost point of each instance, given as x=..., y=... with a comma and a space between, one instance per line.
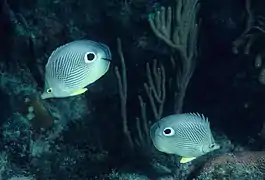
x=168, y=131
x=90, y=57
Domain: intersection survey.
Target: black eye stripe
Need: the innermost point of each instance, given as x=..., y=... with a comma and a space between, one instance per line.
x=49, y=90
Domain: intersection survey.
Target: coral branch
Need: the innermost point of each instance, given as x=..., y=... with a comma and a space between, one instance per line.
x=179, y=30
x=156, y=92
x=122, y=84
x=155, y=89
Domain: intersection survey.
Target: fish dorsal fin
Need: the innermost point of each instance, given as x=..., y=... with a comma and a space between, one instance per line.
x=198, y=117
x=203, y=120
x=55, y=52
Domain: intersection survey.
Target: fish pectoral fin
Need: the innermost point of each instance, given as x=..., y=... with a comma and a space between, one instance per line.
x=186, y=159
x=79, y=91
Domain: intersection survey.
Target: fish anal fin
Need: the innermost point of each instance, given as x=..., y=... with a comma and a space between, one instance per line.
x=79, y=91
x=186, y=159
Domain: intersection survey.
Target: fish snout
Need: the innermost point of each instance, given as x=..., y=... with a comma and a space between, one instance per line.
x=46, y=95
x=216, y=146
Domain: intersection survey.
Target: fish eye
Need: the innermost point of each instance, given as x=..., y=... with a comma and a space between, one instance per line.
x=49, y=90
x=168, y=131
x=90, y=57
x=212, y=146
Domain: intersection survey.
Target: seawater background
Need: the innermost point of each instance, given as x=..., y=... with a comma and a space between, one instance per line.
x=87, y=141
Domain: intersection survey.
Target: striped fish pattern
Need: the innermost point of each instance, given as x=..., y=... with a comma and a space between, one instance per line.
x=187, y=135
x=73, y=66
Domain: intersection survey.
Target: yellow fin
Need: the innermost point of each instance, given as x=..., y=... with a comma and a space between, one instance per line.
x=79, y=91
x=186, y=159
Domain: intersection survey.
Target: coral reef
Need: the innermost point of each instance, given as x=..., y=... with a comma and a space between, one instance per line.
x=169, y=56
